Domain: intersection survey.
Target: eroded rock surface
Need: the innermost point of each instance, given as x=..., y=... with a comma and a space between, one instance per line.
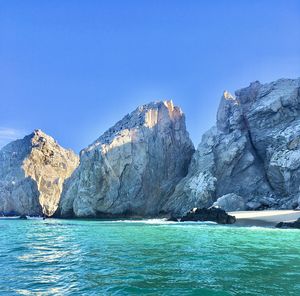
x=253, y=151
x=32, y=172
x=132, y=168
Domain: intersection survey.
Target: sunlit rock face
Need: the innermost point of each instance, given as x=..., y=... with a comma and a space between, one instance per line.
x=253, y=151
x=133, y=168
x=32, y=172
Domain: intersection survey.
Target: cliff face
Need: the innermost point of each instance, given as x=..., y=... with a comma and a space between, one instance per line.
x=32, y=172
x=253, y=152
x=132, y=168
x=145, y=164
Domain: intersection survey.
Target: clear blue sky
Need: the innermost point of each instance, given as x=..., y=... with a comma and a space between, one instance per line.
x=74, y=68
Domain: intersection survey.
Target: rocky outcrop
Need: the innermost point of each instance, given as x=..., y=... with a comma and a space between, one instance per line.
x=32, y=172
x=230, y=202
x=133, y=168
x=213, y=215
x=295, y=224
x=252, y=152
x=145, y=165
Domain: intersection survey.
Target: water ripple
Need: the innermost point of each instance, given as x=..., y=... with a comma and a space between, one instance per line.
x=62, y=257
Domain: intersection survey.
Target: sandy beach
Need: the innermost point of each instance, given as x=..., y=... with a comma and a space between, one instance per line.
x=264, y=218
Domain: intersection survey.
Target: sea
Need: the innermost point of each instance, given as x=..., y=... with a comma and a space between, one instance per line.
x=146, y=257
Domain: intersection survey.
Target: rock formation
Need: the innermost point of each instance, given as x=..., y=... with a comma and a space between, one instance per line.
x=253, y=152
x=145, y=165
x=212, y=214
x=230, y=202
x=133, y=168
x=32, y=172
x=295, y=224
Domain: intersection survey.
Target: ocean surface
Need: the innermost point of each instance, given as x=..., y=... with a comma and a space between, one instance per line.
x=151, y=257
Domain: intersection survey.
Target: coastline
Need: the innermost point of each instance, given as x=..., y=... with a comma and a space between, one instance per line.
x=267, y=218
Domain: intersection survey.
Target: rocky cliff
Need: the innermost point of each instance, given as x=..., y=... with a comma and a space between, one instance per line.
x=133, y=168
x=145, y=165
x=32, y=172
x=251, y=159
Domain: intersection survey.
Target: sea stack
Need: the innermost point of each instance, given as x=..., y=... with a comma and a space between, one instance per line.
x=251, y=159
x=32, y=173
x=133, y=168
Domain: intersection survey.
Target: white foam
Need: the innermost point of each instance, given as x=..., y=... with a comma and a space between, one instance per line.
x=144, y=221
x=163, y=222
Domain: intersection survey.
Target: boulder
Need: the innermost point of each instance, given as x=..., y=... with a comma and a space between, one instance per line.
x=211, y=214
x=230, y=202
x=253, y=205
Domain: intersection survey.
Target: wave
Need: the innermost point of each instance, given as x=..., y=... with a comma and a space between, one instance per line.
x=162, y=221
x=18, y=217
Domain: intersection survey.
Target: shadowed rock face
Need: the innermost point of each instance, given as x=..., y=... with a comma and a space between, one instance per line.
x=32, y=172
x=211, y=214
x=132, y=168
x=252, y=152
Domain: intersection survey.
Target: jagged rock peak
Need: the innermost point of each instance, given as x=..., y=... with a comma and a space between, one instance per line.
x=133, y=167
x=228, y=96
x=253, y=153
x=146, y=115
x=40, y=133
x=32, y=171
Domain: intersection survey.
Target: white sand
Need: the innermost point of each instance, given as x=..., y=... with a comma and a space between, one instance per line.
x=265, y=218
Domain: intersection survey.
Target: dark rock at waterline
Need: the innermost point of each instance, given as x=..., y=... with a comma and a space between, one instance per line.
x=295, y=224
x=211, y=214
x=23, y=217
x=173, y=219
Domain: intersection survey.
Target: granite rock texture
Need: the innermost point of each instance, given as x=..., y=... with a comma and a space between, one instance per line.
x=133, y=168
x=253, y=151
x=32, y=172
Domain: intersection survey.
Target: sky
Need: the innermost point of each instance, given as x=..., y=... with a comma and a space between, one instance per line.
x=74, y=68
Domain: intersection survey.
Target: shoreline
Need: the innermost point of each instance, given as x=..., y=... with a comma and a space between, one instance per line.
x=267, y=218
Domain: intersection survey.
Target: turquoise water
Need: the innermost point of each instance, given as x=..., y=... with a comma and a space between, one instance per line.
x=74, y=257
